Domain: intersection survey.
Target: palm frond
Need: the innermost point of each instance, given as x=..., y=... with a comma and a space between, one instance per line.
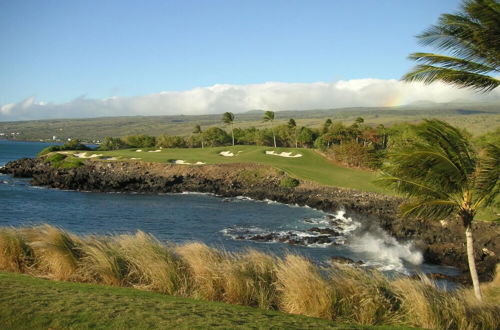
x=409, y=187
x=428, y=209
x=451, y=62
x=462, y=79
x=487, y=183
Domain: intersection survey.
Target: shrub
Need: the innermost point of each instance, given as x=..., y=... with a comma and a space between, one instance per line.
x=111, y=143
x=74, y=144
x=140, y=141
x=289, y=182
x=170, y=141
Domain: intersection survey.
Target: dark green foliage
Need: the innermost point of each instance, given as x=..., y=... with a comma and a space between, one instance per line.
x=306, y=137
x=140, y=141
x=111, y=143
x=471, y=37
x=63, y=161
x=289, y=182
x=170, y=141
x=441, y=172
x=74, y=144
x=214, y=136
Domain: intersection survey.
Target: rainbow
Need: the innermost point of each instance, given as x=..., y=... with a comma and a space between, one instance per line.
x=394, y=100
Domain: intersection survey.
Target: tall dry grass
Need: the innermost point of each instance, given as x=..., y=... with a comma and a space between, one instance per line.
x=152, y=265
x=424, y=305
x=292, y=284
x=206, y=267
x=15, y=254
x=250, y=280
x=302, y=288
x=56, y=252
x=365, y=296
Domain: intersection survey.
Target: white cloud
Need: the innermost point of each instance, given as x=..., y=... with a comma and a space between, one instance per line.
x=240, y=98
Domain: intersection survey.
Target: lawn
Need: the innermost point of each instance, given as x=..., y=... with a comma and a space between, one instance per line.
x=32, y=303
x=311, y=166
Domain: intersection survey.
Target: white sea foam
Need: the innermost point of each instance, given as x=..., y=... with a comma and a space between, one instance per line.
x=385, y=251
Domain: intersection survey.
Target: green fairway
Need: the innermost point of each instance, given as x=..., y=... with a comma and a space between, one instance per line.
x=311, y=166
x=32, y=303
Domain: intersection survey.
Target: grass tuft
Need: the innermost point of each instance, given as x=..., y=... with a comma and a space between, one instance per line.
x=302, y=289
x=15, y=254
x=56, y=252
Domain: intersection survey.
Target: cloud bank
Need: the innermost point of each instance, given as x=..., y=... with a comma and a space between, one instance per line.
x=240, y=98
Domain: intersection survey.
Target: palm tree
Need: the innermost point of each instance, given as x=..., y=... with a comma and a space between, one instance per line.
x=197, y=130
x=471, y=37
x=228, y=119
x=442, y=175
x=293, y=126
x=269, y=117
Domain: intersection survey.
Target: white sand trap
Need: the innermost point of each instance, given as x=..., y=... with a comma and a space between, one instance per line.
x=133, y=158
x=183, y=162
x=159, y=150
x=138, y=150
x=283, y=154
x=84, y=155
x=226, y=154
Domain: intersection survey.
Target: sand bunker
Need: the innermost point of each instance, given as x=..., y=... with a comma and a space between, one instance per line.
x=159, y=150
x=133, y=158
x=227, y=153
x=84, y=155
x=183, y=162
x=138, y=150
x=283, y=154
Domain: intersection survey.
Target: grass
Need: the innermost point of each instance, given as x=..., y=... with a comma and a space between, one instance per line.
x=33, y=303
x=291, y=284
x=311, y=166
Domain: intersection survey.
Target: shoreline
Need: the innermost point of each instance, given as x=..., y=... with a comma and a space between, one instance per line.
x=440, y=243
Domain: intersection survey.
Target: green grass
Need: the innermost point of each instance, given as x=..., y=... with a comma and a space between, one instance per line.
x=311, y=166
x=33, y=303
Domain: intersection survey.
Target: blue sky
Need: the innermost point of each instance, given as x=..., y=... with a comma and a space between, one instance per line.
x=59, y=51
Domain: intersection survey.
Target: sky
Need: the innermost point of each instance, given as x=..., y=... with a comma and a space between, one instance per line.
x=86, y=58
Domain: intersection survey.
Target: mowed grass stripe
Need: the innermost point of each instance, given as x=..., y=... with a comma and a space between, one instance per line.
x=311, y=166
x=33, y=303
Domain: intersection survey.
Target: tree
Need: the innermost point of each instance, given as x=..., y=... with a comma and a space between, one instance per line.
x=228, y=119
x=442, y=175
x=197, y=130
x=293, y=126
x=326, y=126
x=472, y=39
x=269, y=117
x=214, y=136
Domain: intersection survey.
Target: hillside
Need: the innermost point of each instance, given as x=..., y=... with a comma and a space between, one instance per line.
x=477, y=118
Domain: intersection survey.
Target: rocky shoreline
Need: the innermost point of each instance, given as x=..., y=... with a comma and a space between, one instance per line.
x=441, y=242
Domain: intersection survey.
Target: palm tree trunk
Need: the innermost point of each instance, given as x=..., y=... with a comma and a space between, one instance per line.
x=232, y=133
x=472, y=263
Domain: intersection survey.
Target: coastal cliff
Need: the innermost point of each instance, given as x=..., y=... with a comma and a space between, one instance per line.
x=441, y=242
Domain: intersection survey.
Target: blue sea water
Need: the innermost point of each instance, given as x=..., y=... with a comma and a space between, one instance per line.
x=180, y=218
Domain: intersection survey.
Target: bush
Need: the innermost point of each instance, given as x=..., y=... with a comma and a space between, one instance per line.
x=74, y=144
x=170, y=141
x=111, y=143
x=289, y=182
x=63, y=161
x=140, y=141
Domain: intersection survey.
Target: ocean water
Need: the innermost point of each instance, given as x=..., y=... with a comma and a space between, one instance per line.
x=227, y=223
